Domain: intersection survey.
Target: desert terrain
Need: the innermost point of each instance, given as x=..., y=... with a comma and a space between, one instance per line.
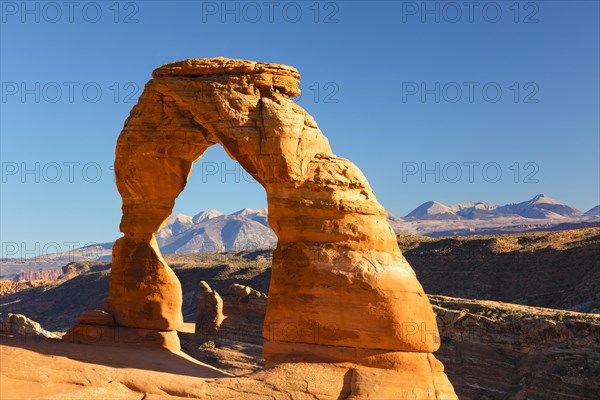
x=491, y=348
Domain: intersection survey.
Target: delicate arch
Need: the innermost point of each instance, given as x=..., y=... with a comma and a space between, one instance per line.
x=338, y=275
x=338, y=278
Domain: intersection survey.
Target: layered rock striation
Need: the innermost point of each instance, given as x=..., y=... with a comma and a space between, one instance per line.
x=497, y=351
x=47, y=275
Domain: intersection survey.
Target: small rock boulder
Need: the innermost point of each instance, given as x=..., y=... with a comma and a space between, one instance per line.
x=17, y=324
x=247, y=298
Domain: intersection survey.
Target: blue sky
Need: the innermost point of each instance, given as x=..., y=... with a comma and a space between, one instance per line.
x=398, y=87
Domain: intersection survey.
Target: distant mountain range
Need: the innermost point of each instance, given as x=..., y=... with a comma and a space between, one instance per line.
x=540, y=207
x=214, y=231
x=476, y=218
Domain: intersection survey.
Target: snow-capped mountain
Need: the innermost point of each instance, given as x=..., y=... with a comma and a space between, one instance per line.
x=213, y=231
x=539, y=207
x=432, y=210
x=473, y=210
x=179, y=223
x=205, y=215
x=473, y=218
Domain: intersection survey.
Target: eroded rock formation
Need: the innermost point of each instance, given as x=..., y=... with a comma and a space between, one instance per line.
x=210, y=312
x=8, y=287
x=498, y=351
x=47, y=274
x=17, y=324
x=341, y=291
x=238, y=316
x=542, y=269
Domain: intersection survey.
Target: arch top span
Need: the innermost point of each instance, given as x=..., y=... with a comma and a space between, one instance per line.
x=278, y=77
x=192, y=104
x=340, y=288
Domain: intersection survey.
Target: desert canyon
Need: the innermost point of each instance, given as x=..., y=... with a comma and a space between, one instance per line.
x=335, y=311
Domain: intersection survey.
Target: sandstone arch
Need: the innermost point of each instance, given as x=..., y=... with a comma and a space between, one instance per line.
x=341, y=291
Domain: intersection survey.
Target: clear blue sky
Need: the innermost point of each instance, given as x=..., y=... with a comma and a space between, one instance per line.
x=369, y=74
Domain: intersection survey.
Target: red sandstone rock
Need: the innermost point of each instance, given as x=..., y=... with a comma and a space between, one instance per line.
x=248, y=299
x=339, y=278
x=122, y=336
x=144, y=292
x=47, y=274
x=96, y=317
x=210, y=313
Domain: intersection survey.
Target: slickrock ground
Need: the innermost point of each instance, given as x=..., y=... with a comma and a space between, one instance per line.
x=52, y=369
x=512, y=351
x=39, y=368
x=491, y=350
x=42, y=369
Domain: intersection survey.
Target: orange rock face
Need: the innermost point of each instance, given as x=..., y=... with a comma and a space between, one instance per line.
x=341, y=290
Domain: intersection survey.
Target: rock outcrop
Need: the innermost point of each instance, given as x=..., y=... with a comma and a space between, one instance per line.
x=17, y=324
x=340, y=292
x=210, y=313
x=238, y=317
x=497, y=351
x=543, y=269
x=45, y=275
x=9, y=287
x=247, y=299
x=74, y=269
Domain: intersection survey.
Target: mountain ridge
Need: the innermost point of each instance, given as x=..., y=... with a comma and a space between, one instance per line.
x=538, y=207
